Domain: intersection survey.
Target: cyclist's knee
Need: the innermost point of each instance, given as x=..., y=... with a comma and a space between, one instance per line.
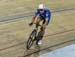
x=42, y=31
x=43, y=28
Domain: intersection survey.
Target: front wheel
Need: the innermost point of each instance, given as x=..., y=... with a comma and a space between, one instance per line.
x=31, y=39
x=29, y=43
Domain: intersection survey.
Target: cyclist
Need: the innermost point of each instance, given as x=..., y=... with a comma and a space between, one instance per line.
x=44, y=14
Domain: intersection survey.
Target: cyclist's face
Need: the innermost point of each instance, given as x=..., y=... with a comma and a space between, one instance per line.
x=41, y=11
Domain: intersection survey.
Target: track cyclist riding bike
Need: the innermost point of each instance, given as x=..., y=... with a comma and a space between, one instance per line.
x=44, y=14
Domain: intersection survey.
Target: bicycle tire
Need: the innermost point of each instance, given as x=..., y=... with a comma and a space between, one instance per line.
x=29, y=43
x=30, y=39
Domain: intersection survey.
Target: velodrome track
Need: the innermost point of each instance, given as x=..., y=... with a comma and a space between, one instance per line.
x=30, y=14
x=58, y=33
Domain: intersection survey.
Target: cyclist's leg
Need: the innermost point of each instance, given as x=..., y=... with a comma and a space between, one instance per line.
x=42, y=32
x=40, y=37
x=44, y=28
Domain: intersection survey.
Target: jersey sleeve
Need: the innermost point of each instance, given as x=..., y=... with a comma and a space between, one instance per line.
x=36, y=12
x=48, y=14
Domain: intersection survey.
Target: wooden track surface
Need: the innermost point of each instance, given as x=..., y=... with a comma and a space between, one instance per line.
x=14, y=29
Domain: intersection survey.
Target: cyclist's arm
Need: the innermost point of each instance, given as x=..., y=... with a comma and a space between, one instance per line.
x=35, y=15
x=33, y=19
x=46, y=20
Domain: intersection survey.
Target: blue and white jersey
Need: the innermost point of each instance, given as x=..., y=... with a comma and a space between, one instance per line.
x=46, y=14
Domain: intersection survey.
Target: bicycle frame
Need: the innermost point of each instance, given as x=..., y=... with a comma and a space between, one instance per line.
x=34, y=35
x=38, y=29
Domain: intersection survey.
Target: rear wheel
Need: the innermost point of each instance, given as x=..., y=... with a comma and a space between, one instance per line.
x=31, y=39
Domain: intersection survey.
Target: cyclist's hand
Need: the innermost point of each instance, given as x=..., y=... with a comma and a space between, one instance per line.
x=30, y=24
